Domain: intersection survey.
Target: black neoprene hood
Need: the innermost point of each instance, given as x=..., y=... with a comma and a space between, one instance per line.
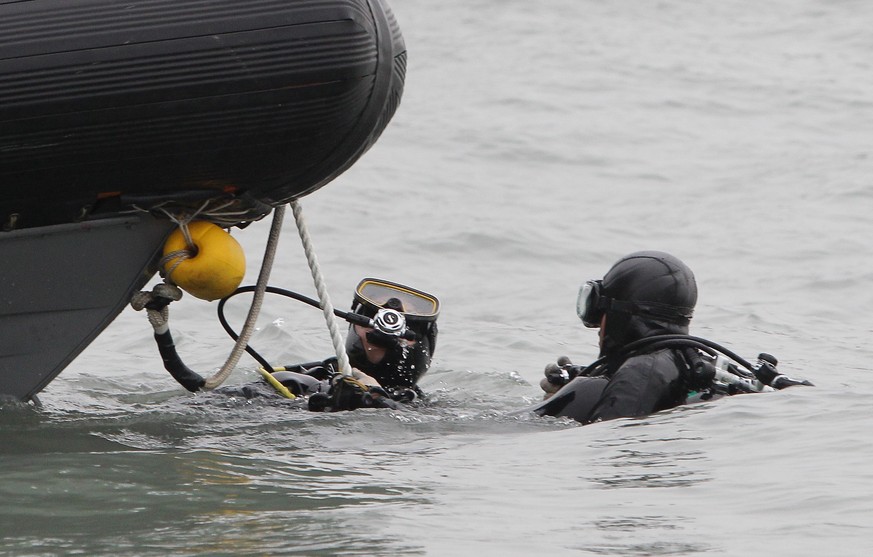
x=661, y=292
x=651, y=277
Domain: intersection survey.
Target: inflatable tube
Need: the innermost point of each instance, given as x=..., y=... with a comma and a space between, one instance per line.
x=106, y=106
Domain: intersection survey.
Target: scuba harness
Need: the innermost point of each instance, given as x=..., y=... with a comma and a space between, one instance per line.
x=643, y=306
x=710, y=369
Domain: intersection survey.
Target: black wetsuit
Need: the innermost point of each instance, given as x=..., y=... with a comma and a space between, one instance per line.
x=643, y=385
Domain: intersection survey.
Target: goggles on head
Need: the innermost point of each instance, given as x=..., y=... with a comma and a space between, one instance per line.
x=375, y=294
x=592, y=304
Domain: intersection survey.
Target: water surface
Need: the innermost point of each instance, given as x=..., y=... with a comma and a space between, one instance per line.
x=536, y=144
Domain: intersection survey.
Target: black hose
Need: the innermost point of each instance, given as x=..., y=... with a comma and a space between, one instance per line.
x=688, y=340
x=652, y=343
x=186, y=377
x=348, y=316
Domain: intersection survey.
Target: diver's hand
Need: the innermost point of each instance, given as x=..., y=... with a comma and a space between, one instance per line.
x=557, y=375
x=364, y=379
x=376, y=390
x=350, y=392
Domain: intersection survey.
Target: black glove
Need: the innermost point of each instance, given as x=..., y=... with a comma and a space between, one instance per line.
x=404, y=395
x=350, y=393
x=557, y=375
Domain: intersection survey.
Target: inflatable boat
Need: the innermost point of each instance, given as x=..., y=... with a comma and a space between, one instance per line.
x=116, y=117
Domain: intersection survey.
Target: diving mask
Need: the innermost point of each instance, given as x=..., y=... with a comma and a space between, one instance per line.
x=375, y=294
x=590, y=304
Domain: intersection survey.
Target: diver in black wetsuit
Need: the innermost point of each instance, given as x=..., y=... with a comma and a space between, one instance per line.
x=390, y=343
x=647, y=363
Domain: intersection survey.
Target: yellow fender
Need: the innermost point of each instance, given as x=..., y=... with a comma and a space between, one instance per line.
x=214, y=271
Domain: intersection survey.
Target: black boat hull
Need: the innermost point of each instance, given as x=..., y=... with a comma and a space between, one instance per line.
x=106, y=106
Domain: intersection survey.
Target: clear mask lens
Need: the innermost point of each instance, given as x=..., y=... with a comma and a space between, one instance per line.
x=409, y=301
x=587, y=304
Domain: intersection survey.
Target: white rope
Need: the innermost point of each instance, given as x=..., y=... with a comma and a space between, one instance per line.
x=223, y=212
x=249, y=327
x=320, y=286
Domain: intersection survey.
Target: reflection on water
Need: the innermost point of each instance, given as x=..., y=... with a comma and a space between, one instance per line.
x=640, y=457
x=203, y=501
x=645, y=469
x=646, y=549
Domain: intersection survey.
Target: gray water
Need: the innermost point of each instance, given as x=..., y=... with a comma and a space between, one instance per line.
x=537, y=142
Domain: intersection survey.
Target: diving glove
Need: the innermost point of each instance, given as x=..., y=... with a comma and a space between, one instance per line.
x=358, y=390
x=557, y=374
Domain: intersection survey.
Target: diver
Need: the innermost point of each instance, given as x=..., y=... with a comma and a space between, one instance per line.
x=390, y=343
x=648, y=362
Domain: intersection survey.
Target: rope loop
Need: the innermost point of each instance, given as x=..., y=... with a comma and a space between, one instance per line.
x=156, y=303
x=182, y=220
x=179, y=256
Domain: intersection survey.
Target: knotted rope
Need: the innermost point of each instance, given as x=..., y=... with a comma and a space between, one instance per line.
x=159, y=318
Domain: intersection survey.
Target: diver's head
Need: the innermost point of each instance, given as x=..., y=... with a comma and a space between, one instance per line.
x=390, y=357
x=644, y=294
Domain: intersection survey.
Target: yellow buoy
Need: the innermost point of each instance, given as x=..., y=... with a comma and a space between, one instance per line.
x=214, y=271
